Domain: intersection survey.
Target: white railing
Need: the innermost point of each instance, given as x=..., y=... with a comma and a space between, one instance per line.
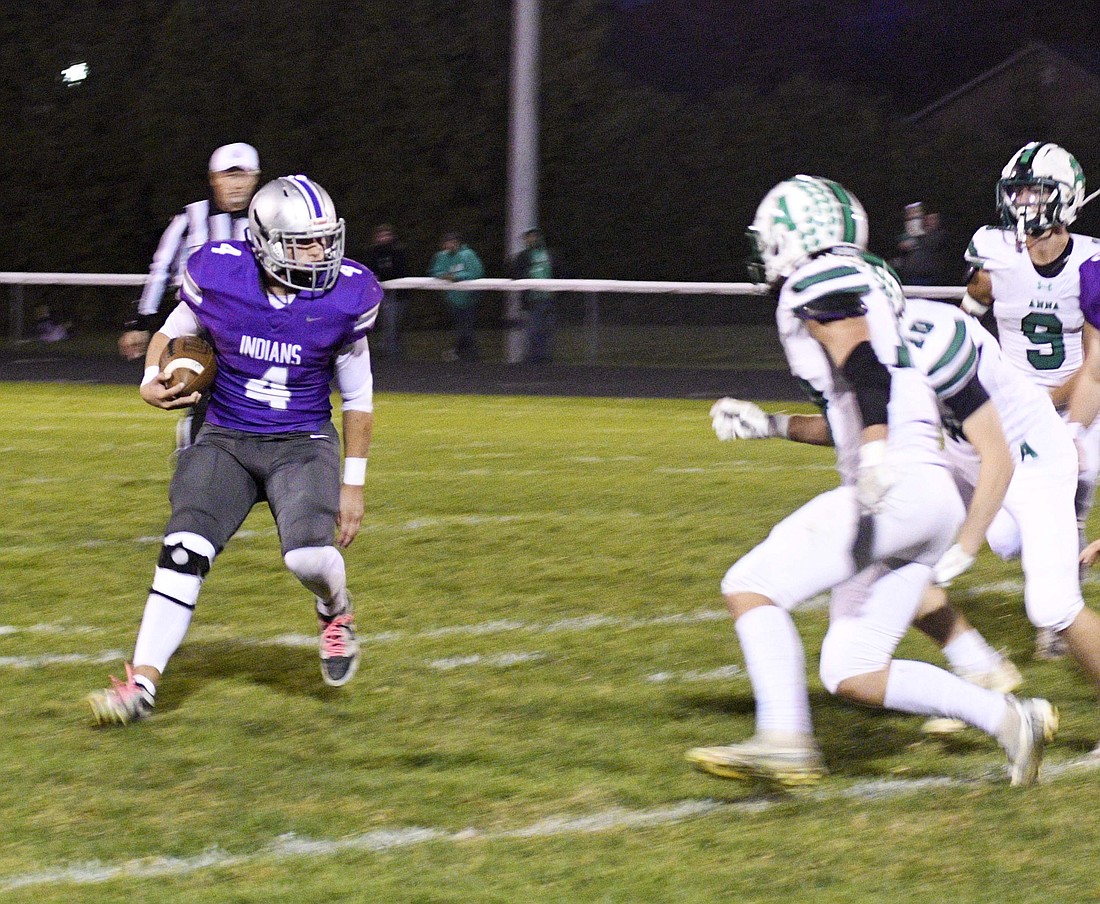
x=592, y=288
x=635, y=286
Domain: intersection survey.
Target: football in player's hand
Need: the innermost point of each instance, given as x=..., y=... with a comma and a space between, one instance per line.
x=189, y=360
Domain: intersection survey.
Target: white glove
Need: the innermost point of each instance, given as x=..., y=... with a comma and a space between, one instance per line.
x=734, y=419
x=951, y=564
x=874, y=476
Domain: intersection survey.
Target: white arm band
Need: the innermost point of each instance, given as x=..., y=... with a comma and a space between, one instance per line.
x=181, y=322
x=151, y=373
x=972, y=306
x=354, y=378
x=355, y=471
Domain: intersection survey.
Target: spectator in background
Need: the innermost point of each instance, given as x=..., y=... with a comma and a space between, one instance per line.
x=924, y=256
x=942, y=268
x=48, y=328
x=536, y=262
x=457, y=262
x=234, y=173
x=387, y=260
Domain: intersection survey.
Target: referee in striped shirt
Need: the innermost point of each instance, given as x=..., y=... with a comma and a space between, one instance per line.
x=234, y=174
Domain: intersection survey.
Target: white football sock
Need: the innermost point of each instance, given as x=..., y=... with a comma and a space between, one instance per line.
x=777, y=669
x=925, y=689
x=970, y=654
x=163, y=627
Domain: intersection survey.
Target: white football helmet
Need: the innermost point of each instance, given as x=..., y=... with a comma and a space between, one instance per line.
x=799, y=218
x=287, y=218
x=1041, y=187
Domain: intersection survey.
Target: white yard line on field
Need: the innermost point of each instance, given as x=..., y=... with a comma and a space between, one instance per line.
x=737, y=466
x=34, y=662
x=48, y=628
x=506, y=626
x=297, y=847
x=496, y=661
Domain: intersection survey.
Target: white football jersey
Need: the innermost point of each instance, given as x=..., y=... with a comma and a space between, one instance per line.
x=1039, y=318
x=913, y=420
x=950, y=347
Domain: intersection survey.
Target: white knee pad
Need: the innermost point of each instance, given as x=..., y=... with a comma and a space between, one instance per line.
x=319, y=568
x=184, y=561
x=852, y=647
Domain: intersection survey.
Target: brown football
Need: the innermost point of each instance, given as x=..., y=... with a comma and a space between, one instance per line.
x=189, y=360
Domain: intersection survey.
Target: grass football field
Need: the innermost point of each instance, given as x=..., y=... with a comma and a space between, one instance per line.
x=536, y=588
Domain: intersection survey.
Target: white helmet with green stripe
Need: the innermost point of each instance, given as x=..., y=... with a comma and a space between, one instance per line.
x=799, y=218
x=1041, y=187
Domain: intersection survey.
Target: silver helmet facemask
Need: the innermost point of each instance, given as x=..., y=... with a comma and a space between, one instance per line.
x=286, y=219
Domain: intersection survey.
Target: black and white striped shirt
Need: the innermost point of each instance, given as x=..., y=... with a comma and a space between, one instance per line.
x=197, y=224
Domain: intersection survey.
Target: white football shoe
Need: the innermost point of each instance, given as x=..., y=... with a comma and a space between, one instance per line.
x=1049, y=645
x=121, y=703
x=1029, y=725
x=1004, y=678
x=785, y=760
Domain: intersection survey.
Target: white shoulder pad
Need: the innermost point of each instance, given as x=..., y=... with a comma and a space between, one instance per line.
x=937, y=337
x=824, y=276
x=991, y=249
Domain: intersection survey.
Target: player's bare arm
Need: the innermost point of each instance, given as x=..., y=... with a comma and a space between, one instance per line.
x=979, y=294
x=155, y=389
x=1061, y=395
x=812, y=429
x=357, y=434
x=356, y=384
x=983, y=431
x=1085, y=399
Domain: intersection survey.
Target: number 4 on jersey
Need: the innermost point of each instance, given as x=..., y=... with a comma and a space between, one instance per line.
x=270, y=388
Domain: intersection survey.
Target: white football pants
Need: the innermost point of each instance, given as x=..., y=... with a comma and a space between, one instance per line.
x=1038, y=521
x=877, y=566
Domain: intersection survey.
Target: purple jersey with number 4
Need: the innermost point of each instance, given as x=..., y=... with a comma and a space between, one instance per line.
x=275, y=365
x=1090, y=290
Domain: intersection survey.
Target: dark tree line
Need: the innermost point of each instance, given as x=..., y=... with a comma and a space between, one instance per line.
x=400, y=110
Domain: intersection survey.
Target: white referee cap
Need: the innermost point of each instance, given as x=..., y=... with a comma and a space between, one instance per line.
x=235, y=156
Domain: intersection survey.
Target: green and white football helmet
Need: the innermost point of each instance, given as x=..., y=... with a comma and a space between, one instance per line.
x=801, y=217
x=1041, y=187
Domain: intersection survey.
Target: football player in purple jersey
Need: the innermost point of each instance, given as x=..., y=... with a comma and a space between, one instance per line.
x=1085, y=400
x=286, y=314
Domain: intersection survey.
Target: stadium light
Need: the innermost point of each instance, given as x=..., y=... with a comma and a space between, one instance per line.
x=75, y=74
